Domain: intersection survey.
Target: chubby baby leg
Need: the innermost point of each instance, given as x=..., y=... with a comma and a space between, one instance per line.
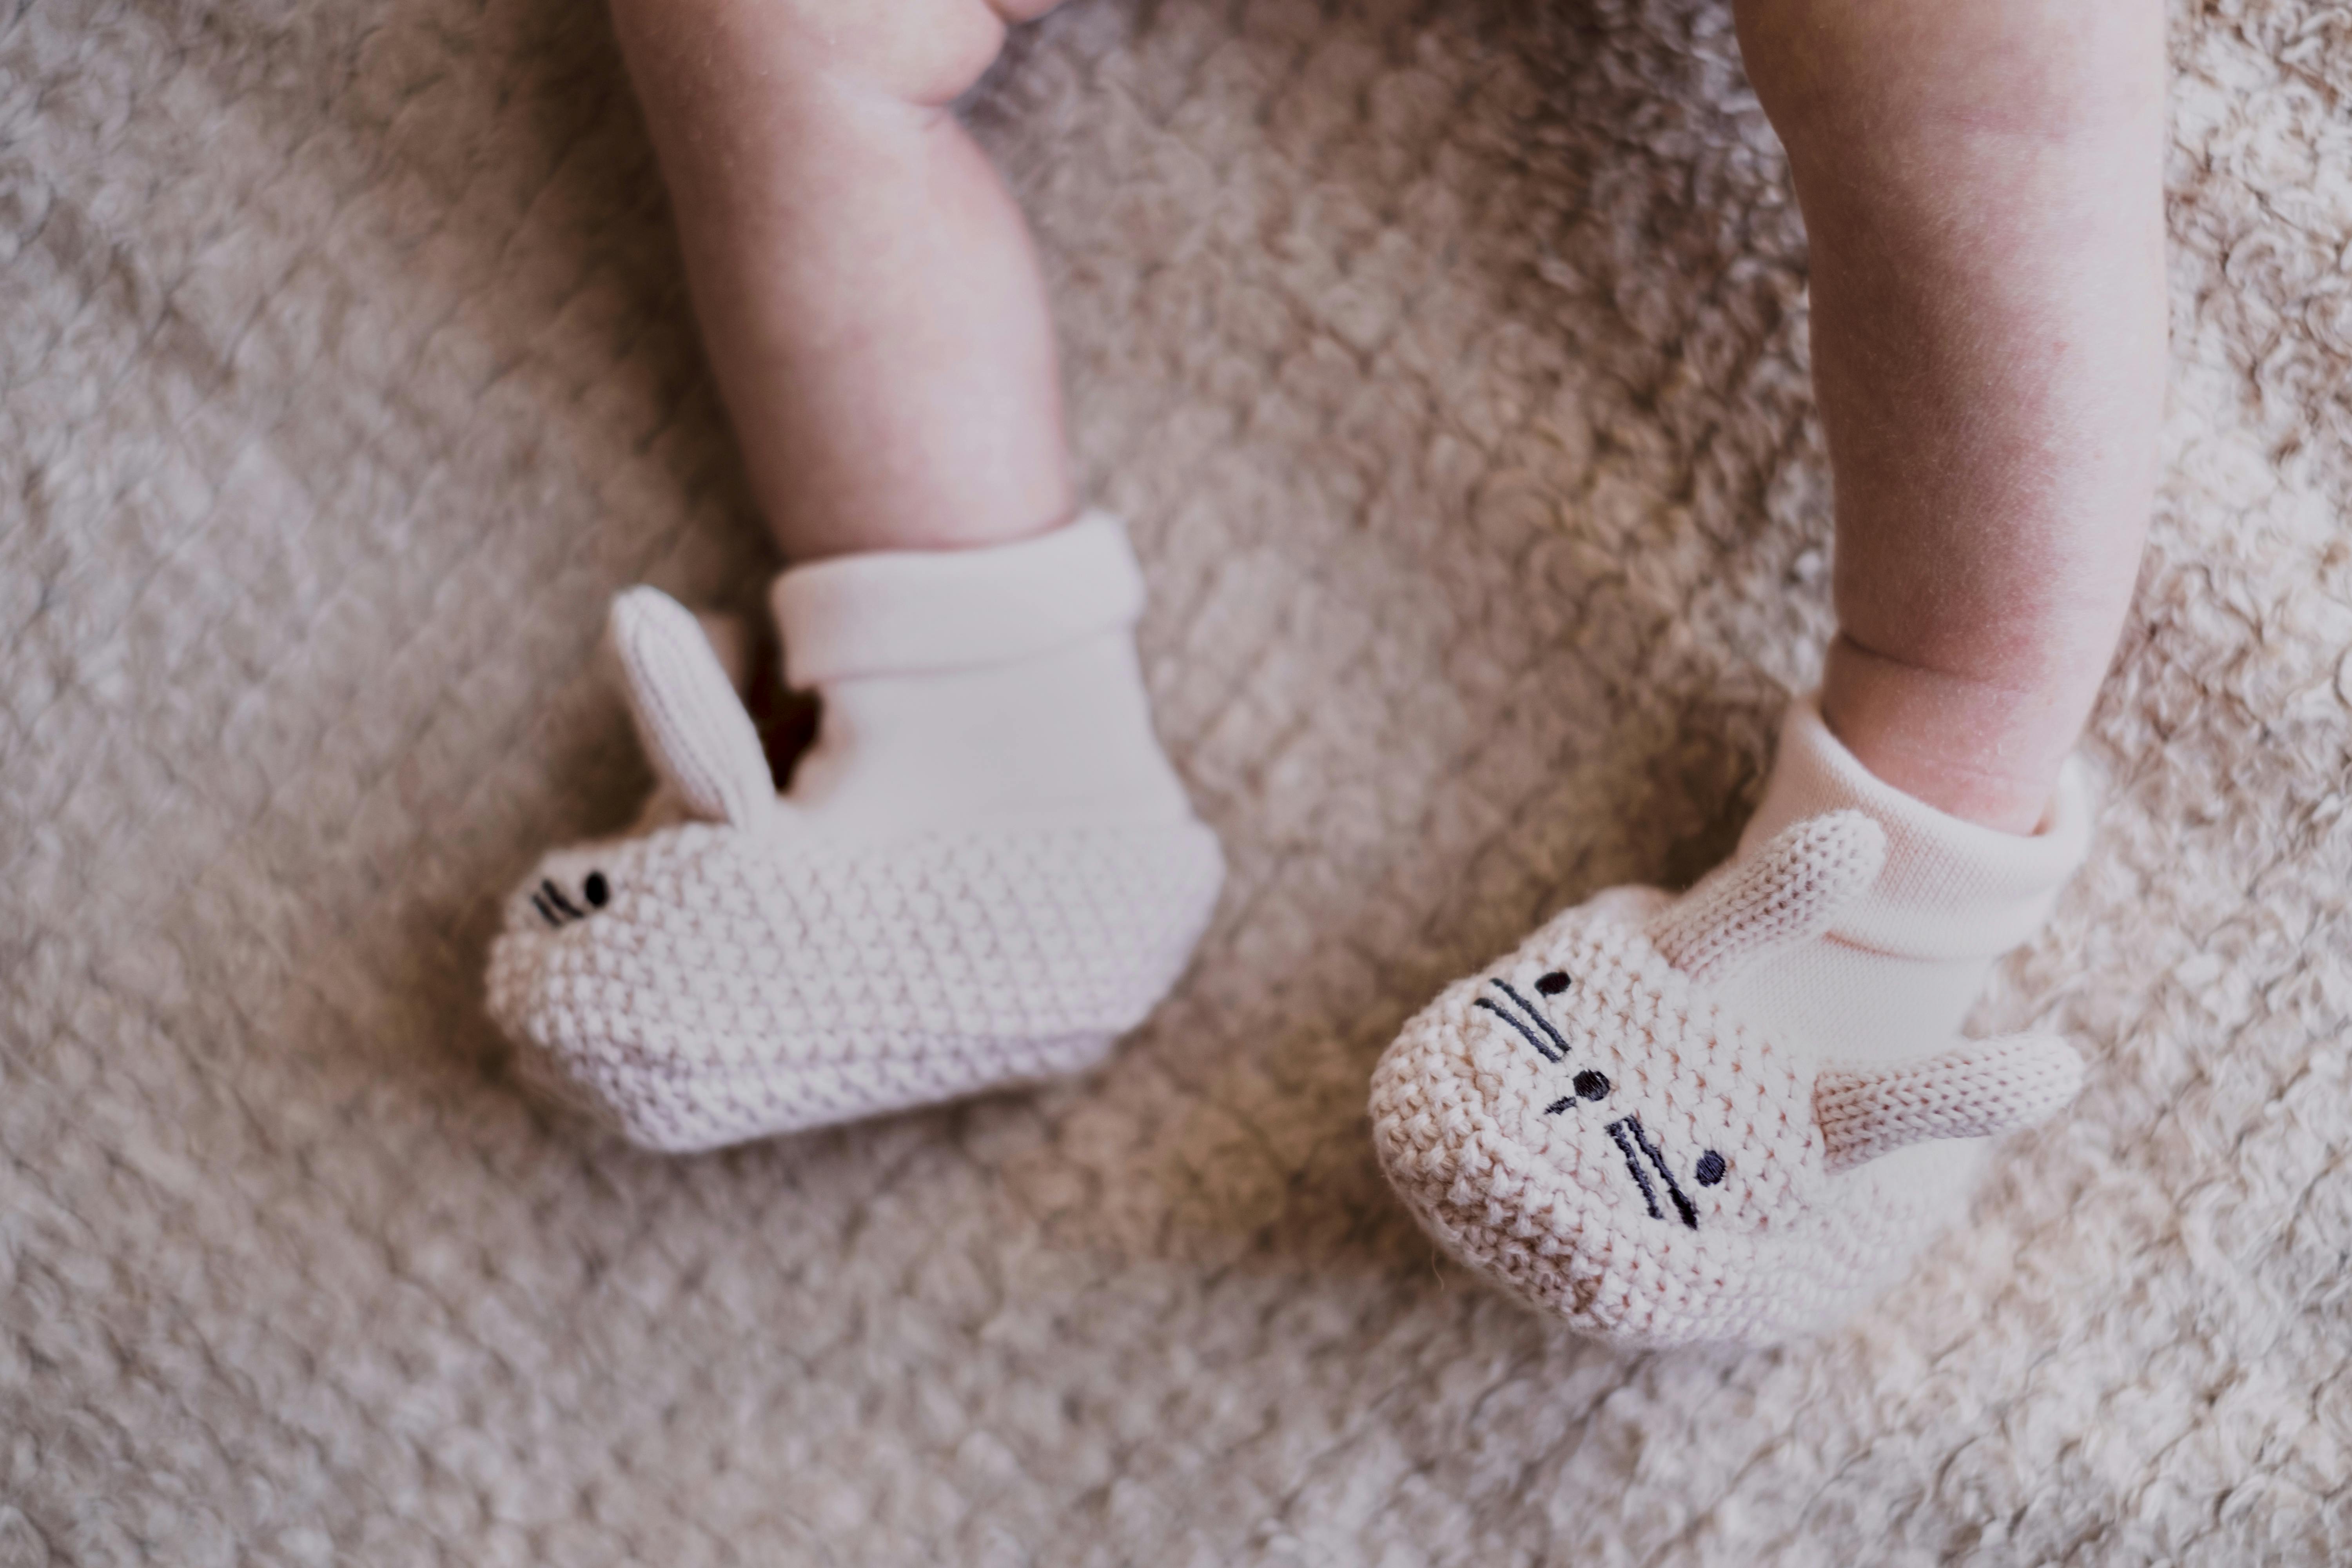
x=1736, y=1116
x=1984, y=201
x=869, y=295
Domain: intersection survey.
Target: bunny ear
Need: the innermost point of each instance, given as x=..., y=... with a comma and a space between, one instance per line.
x=689, y=717
x=734, y=646
x=1981, y=1088
x=1785, y=893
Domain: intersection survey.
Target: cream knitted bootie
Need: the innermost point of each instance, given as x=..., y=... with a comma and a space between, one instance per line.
x=985, y=870
x=1736, y=1114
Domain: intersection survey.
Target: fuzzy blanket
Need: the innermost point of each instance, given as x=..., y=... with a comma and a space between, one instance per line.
x=1450, y=361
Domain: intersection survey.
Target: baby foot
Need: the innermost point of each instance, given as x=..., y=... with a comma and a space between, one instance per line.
x=1626, y=1122
x=985, y=874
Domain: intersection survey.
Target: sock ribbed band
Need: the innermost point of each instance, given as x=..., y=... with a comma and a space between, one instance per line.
x=905, y=611
x=1897, y=971
x=1952, y=888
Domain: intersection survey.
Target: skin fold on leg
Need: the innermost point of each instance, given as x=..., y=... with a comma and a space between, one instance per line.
x=1982, y=191
x=869, y=295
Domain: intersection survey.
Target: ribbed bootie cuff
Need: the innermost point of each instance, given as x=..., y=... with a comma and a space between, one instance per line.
x=906, y=612
x=1952, y=888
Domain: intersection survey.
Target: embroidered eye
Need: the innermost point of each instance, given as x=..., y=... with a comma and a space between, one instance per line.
x=558, y=910
x=1552, y=985
x=1710, y=1169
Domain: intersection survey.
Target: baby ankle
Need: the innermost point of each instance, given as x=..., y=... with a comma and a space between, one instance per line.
x=1980, y=750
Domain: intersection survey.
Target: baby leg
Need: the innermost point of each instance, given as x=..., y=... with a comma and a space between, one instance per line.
x=1647, y=1132
x=867, y=292
x=985, y=869
x=1982, y=192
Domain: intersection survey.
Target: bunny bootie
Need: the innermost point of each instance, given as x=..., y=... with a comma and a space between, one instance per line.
x=984, y=872
x=1735, y=1115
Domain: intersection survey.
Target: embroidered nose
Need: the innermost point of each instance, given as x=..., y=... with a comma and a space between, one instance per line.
x=1588, y=1083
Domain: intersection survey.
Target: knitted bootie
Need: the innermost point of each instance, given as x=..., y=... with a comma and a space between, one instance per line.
x=1736, y=1114
x=985, y=870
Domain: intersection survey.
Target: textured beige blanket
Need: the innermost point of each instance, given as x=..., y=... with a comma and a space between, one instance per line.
x=1450, y=361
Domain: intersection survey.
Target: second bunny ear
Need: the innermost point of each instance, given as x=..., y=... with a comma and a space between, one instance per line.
x=687, y=715
x=1784, y=893
x=1978, y=1090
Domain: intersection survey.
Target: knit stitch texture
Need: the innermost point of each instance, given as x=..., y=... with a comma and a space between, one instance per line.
x=737, y=985
x=1449, y=362
x=754, y=970
x=1588, y=1127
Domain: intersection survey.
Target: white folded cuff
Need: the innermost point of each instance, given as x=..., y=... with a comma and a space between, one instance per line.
x=1952, y=888
x=905, y=611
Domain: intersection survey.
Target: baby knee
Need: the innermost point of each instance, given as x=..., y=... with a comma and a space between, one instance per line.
x=919, y=51
x=923, y=51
